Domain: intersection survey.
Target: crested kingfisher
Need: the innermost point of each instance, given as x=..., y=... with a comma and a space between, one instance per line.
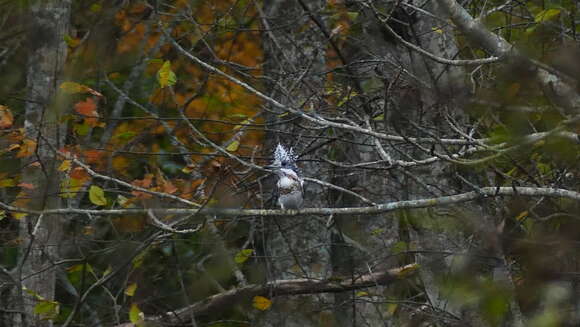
x=290, y=185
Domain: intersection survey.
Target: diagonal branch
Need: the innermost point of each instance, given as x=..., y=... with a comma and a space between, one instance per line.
x=554, y=83
x=225, y=300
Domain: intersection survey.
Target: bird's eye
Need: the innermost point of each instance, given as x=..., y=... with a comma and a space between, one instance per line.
x=284, y=164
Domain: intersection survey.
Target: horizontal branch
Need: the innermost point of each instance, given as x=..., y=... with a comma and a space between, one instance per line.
x=224, y=301
x=484, y=192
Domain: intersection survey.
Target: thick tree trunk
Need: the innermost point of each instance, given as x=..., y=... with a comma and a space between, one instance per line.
x=40, y=236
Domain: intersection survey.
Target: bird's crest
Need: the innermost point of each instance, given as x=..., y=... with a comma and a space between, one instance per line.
x=284, y=157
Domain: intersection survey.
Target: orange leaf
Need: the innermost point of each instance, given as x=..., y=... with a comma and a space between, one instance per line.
x=27, y=186
x=120, y=164
x=27, y=148
x=6, y=118
x=88, y=109
x=144, y=183
x=168, y=187
x=79, y=173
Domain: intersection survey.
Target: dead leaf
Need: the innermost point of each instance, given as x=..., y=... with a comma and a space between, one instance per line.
x=6, y=118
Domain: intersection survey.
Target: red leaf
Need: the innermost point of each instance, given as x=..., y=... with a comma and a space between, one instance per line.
x=93, y=156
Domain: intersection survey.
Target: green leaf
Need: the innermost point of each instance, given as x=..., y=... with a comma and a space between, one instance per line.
x=166, y=76
x=399, y=247
x=124, y=136
x=95, y=7
x=82, y=129
x=97, y=195
x=352, y=15
x=377, y=231
x=243, y=255
x=546, y=15
x=138, y=261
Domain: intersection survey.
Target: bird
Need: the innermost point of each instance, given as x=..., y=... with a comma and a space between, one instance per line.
x=290, y=184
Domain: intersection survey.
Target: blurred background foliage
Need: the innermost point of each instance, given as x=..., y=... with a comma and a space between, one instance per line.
x=119, y=47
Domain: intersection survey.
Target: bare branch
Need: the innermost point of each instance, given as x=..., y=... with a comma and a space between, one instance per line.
x=553, y=82
x=216, y=303
x=485, y=192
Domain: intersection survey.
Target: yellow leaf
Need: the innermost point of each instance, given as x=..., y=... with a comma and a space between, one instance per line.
x=243, y=255
x=7, y=182
x=362, y=293
x=166, y=76
x=437, y=30
x=108, y=271
x=136, y=316
x=408, y=270
x=261, y=303
x=546, y=15
x=242, y=124
x=65, y=165
x=187, y=169
x=130, y=290
x=72, y=87
x=19, y=215
x=391, y=308
x=69, y=187
x=47, y=309
x=233, y=146
x=522, y=215
x=97, y=195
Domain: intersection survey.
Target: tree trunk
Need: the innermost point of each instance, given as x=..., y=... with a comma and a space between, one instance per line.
x=40, y=236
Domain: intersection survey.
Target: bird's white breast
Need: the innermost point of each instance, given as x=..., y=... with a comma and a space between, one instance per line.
x=288, y=179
